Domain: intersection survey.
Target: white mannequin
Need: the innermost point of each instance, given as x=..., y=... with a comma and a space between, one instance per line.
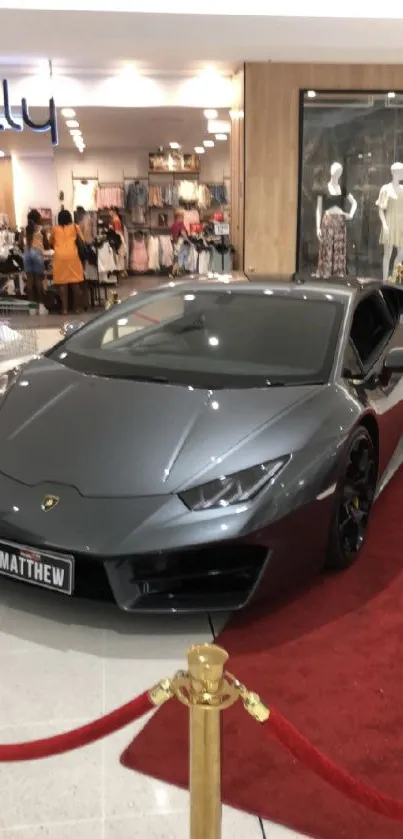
x=336, y=171
x=393, y=191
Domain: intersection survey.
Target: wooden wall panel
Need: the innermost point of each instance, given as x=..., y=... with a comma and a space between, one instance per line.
x=7, y=190
x=271, y=149
x=237, y=171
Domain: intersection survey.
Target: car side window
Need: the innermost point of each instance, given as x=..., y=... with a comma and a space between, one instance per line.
x=371, y=329
x=352, y=368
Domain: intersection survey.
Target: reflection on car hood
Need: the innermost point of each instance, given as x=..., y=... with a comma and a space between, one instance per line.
x=110, y=437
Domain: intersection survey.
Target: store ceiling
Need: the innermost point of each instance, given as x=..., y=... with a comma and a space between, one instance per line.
x=116, y=128
x=174, y=41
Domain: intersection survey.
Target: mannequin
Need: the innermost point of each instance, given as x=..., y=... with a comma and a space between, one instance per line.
x=390, y=205
x=331, y=231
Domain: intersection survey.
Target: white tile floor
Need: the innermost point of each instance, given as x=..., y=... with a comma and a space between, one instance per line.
x=64, y=662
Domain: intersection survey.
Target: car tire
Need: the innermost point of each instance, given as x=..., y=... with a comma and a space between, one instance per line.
x=355, y=494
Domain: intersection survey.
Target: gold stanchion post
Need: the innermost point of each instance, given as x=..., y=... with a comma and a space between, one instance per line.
x=206, y=672
x=206, y=689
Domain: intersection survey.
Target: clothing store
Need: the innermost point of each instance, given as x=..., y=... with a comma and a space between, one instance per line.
x=121, y=178
x=333, y=170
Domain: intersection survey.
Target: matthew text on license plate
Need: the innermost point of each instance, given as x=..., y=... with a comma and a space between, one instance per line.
x=45, y=570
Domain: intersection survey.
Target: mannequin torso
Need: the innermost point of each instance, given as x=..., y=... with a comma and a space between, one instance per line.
x=334, y=200
x=390, y=208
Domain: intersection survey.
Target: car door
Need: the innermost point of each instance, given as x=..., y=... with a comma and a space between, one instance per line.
x=375, y=325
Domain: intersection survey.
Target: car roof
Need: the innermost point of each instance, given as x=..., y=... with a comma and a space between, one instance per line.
x=316, y=289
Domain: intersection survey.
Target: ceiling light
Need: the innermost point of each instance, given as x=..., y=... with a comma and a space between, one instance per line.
x=174, y=146
x=236, y=114
x=199, y=149
x=72, y=123
x=311, y=94
x=75, y=132
x=211, y=113
x=2, y=154
x=68, y=113
x=221, y=136
x=208, y=144
x=391, y=95
x=219, y=126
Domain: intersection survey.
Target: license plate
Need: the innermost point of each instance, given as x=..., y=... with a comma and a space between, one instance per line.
x=38, y=568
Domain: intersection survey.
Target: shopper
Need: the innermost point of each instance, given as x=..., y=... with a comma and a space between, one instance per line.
x=67, y=266
x=34, y=244
x=178, y=233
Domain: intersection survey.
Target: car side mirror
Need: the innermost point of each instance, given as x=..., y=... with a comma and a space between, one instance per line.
x=69, y=328
x=394, y=360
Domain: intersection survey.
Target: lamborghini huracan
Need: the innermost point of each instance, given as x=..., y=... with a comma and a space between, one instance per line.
x=202, y=444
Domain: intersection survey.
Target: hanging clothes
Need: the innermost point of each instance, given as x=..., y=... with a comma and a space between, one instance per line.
x=153, y=253
x=188, y=191
x=138, y=255
x=85, y=194
x=106, y=262
x=110, y=195
x=136, y=195
x=155, y=197
x=166, y=252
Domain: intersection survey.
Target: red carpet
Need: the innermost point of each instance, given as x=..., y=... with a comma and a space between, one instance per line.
x=330, y=659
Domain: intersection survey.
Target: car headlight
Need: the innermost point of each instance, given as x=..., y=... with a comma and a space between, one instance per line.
x=232, y=489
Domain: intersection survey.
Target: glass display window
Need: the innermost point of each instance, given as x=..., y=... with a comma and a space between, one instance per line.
x=351, y=184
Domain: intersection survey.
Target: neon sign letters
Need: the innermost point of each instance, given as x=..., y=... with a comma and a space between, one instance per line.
x=49, y=125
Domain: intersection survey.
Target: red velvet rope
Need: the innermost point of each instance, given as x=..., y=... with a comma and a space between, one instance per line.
x=318, y=763
x=78, y=737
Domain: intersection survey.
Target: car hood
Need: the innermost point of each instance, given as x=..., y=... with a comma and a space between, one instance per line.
x=112, y=437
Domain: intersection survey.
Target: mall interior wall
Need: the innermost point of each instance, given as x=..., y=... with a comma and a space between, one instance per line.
x=7, y=190
x=34, y=184
x=272, y=149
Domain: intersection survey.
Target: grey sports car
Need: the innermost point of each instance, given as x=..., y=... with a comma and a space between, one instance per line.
x=203, y=443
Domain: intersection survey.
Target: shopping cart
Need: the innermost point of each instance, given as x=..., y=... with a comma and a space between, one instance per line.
x=18, y=338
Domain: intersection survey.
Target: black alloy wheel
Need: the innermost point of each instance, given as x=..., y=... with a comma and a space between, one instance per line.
x=355, y=495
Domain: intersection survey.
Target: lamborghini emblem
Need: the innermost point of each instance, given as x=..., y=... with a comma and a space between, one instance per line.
x=49, y=502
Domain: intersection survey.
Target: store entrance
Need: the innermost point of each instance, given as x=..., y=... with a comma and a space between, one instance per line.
x=129, y=198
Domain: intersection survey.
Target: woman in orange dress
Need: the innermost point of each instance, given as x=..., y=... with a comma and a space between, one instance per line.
x=67, y=266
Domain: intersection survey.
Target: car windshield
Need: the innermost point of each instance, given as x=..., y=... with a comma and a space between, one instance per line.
x=209, y=338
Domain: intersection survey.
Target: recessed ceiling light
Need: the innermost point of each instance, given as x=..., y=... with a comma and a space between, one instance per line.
x=174, y=146
x=78, y=141
x=68, y=113
x=2, y=154
x=75, y=132
x=199, y=149
x=236, y=114
x=72, y=123
x=211, y=113
x=311, y=94
x=221, y=136
x=208, y=144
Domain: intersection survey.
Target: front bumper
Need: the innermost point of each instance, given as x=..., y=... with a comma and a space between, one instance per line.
x=156, y=556
x=216, y=577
